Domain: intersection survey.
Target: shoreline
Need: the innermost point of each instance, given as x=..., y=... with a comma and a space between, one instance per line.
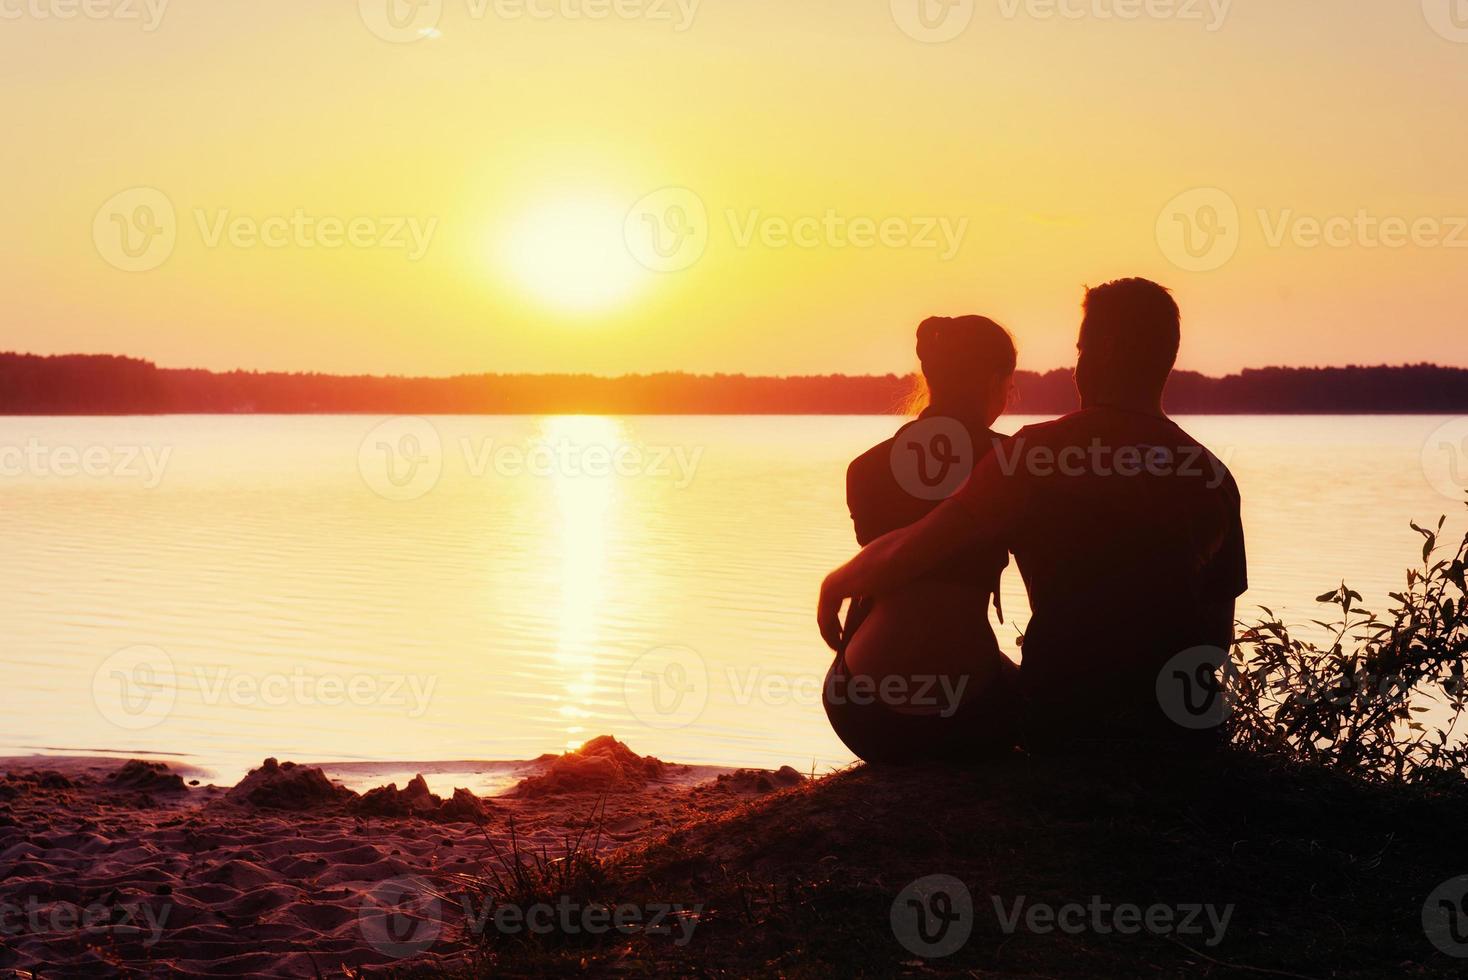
x=488, y=778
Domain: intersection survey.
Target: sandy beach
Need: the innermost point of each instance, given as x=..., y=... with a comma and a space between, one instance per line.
x=142, y=868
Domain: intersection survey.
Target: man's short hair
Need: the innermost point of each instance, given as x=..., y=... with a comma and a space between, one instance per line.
x=1135, y=326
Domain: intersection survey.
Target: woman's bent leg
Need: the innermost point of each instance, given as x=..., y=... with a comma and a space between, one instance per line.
x=923, y=679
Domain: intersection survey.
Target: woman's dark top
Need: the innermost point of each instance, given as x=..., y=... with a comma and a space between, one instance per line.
x=879, y=504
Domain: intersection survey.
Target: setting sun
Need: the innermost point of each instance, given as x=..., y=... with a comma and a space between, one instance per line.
x=570, y=253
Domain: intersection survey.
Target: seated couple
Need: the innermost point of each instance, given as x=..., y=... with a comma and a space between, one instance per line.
x=1125, y=529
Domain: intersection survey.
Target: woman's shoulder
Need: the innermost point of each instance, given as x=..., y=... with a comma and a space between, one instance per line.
x=876, y=463
x=878, y=460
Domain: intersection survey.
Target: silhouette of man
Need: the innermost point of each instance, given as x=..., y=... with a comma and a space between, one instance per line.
x=1125, y=529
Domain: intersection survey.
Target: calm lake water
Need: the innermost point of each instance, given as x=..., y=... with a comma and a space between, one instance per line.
x=353, y=588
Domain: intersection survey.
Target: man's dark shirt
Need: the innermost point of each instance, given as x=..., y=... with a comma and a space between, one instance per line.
x=1128, y=535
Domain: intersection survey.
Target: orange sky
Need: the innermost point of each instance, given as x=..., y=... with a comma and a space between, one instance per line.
x=476, y=184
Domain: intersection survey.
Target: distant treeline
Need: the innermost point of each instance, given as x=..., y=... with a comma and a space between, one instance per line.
x=107, y=385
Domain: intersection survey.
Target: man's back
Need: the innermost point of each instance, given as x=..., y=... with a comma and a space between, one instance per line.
x=1128, y=535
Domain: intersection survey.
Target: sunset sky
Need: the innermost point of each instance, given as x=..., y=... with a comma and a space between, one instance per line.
x=502, y=169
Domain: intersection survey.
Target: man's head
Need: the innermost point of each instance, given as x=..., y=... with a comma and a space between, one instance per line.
x=1128, y=345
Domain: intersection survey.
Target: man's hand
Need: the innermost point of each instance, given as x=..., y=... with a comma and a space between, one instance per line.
x=828, y=612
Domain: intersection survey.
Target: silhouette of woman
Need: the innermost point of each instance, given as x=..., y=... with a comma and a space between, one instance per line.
x=920, y=675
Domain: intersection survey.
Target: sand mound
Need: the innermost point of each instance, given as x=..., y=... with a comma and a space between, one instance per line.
x=147, y=777
x=416, y=801
x=389, y=801
x=464, y=806
x=14, y=786
x=600, y=765
x=288, y=786
x=754, y=782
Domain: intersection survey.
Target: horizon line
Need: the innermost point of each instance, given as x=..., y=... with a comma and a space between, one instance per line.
x=695, y=374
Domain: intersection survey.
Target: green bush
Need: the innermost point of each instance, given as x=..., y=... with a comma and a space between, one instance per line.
x=1358, y=702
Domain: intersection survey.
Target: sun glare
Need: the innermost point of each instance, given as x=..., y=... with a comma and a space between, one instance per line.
x=572, y=254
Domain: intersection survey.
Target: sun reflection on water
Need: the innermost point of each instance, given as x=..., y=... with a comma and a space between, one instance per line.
x=585, y=508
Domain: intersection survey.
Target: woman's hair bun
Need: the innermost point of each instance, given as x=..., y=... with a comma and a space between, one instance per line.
x=953, y=347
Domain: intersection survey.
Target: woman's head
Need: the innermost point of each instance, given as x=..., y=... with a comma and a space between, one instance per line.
x=968, y=365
